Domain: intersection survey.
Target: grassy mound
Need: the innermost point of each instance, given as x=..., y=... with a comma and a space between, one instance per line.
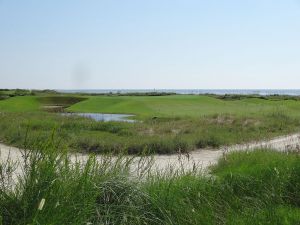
x=184, y=106
x=19, y=104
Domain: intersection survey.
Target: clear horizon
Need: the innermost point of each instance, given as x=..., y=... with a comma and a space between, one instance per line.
x=150, y=45
x=170, y=89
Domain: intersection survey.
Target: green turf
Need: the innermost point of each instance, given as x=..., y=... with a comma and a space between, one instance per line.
x=181, y=105
x=20, y=104
x=149, y=106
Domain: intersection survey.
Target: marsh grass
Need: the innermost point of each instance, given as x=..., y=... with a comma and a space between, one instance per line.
x=53, y=190
x=168, y=124
x=162, y=136
x=257, y=187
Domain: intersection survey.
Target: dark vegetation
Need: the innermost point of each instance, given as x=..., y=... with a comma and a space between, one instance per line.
x=3, y=96
x=5, y=93
x=8, y=93
x=260, y=187
x=231, y=97
x=64, y=101
x=58, y=104
x=154, y=93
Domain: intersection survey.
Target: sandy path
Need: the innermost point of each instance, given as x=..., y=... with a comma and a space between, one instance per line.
x=201, y=158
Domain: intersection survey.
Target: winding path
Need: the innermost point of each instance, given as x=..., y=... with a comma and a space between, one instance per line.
x=201, y=158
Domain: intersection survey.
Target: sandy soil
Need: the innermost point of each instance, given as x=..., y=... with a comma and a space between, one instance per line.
x=201, y=158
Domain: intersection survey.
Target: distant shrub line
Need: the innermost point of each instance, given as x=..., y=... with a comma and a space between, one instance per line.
x=274, y=97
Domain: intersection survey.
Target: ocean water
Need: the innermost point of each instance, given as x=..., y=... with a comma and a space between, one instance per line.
x=293, y=92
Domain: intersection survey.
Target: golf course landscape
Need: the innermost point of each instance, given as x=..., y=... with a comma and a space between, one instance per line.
x=162, y=124
x=45, y=186
x=149, y=112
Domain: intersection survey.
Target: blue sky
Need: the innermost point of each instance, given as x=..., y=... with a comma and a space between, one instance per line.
x=73, y=44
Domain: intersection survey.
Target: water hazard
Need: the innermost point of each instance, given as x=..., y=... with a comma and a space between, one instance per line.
x=104, y=117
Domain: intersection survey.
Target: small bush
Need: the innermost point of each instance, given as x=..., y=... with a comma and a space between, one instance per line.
x=208, y=141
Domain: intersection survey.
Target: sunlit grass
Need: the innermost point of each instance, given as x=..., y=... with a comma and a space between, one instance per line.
x=259, y=187
x=167, y=124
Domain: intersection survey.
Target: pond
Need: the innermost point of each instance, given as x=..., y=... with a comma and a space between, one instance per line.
x=104, y=117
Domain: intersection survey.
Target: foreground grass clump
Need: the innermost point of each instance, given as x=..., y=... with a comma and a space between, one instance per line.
x=262, y=186
x=259, y=187
x=52, y=190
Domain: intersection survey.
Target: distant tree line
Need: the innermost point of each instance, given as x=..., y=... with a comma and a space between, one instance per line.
x=8, y=93
x=275, y=97
x=130, y=94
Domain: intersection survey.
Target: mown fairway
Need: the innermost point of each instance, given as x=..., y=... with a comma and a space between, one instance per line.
x=20, y=104
x=183, y=105
x=168, y=124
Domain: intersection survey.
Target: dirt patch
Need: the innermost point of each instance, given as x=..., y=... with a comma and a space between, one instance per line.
x=222, y=119
x=60, y=100
x=53, y=108
x=58, y=103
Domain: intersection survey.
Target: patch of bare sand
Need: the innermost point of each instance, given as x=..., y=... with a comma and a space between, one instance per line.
x=202, y=158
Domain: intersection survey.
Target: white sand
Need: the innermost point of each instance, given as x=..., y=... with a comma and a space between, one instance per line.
x=201, y=158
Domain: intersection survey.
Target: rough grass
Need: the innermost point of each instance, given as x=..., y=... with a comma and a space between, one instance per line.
x=259, y=187
x=51, y=190
x=162, y=136
x=168, y=123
